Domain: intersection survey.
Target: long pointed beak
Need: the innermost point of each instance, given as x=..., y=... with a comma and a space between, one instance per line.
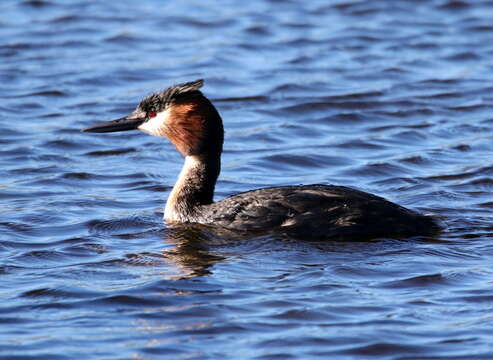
x=123, y=124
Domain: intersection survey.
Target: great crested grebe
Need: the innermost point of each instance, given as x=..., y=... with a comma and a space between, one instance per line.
x=191, y=122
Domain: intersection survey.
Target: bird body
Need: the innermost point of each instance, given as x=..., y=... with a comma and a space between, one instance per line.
x=315, y=211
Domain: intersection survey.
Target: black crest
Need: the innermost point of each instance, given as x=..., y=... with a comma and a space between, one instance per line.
x=159, y=101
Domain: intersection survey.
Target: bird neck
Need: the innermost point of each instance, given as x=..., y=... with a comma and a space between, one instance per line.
x=194, y=187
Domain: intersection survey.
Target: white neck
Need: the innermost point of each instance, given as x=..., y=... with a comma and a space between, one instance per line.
x=194, y=187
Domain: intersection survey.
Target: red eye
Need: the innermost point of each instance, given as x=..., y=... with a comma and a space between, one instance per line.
x=152, y=114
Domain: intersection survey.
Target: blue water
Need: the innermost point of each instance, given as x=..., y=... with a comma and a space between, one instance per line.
x=391, y=97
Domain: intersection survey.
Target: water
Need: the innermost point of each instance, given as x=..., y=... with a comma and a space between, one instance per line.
x=391, y=97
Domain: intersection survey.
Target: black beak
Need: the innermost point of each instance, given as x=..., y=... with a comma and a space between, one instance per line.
x=123, y=124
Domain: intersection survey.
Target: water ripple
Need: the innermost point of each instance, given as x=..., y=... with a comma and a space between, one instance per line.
x=391, y=98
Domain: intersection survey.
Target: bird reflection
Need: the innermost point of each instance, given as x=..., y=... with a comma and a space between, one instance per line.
x=190, y=250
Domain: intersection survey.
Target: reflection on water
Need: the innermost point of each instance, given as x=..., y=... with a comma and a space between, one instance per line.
x=393, y=98
x=189, y=251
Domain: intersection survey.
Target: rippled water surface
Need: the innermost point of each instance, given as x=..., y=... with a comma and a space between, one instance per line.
x=391, y=97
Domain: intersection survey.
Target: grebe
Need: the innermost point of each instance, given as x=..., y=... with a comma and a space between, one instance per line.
x=191, y=122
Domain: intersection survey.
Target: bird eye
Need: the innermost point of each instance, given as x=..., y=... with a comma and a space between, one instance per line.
x=152, y=114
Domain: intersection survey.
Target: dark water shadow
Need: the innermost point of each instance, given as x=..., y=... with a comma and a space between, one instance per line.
x=195, y=249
